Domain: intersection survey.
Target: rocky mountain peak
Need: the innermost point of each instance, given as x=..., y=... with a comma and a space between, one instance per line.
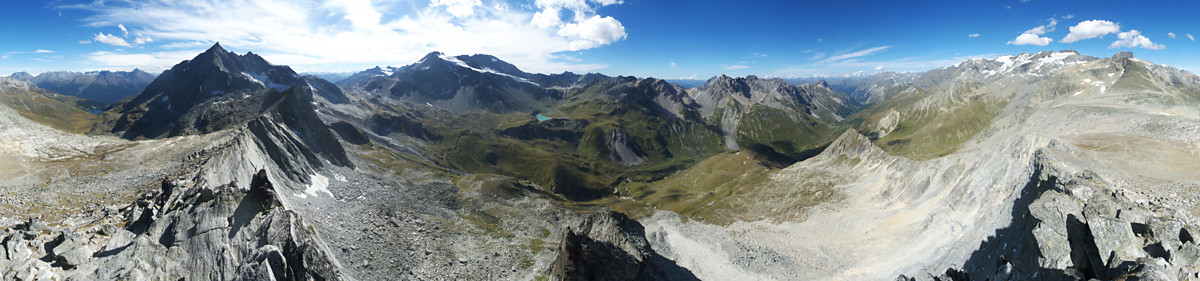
x=21, y=76
x=216, y=48
x=852, y=144
x=1123, y=55
x=432, y=56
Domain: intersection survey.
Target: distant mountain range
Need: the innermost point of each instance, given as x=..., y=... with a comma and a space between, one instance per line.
x=102, y=86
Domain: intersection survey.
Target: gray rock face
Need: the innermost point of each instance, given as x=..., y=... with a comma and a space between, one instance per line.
x=201, y=234
x=611, y=246
x=623, y=150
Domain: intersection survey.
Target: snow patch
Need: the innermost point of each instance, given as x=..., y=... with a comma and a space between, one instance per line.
x=339, y=177
x=319, y=184
x=485, y=70
x=165, y=98
x=259, y=78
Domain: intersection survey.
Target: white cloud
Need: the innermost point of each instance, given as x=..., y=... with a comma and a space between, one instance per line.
x=1068, y=16
x=860, y=53
x=879, y=67
x=1171, y=34
x=1134, y=39
x=1033, y=36
x=735, y=67
x=1190, y=37
x=1091, y=29
x=353, y=33
x=457, y=8
x=673, y=65
x=1030, y=39
x=43, y=51
x=147, y=61
x=547, y=18
x=593, y=32
x=973, y=35
x=110, y=39
x=123, y=30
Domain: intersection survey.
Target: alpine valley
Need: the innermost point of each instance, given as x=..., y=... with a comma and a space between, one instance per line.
x=1047, y=166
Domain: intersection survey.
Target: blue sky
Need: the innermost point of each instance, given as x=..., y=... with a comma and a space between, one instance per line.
x=665, y=39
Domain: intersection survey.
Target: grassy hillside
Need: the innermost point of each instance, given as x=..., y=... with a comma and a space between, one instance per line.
x=61, y=112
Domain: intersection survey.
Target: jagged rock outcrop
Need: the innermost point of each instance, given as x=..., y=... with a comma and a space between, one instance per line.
x=201, y=233
x=610, y=246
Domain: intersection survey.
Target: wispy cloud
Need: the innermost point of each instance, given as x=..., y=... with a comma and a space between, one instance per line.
x=854, y=66
x=1171, y=34
x=7, y=55
x=110, y=39
x=735, y=66
x=851, y=55
x=312, y=32
x=973, y=35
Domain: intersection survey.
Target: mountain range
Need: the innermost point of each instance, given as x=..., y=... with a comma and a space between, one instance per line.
x=1053, y=165
x=105, y=87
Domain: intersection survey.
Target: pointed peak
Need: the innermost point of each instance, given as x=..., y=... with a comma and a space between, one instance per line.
x=217, y=48
x=433, y=55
